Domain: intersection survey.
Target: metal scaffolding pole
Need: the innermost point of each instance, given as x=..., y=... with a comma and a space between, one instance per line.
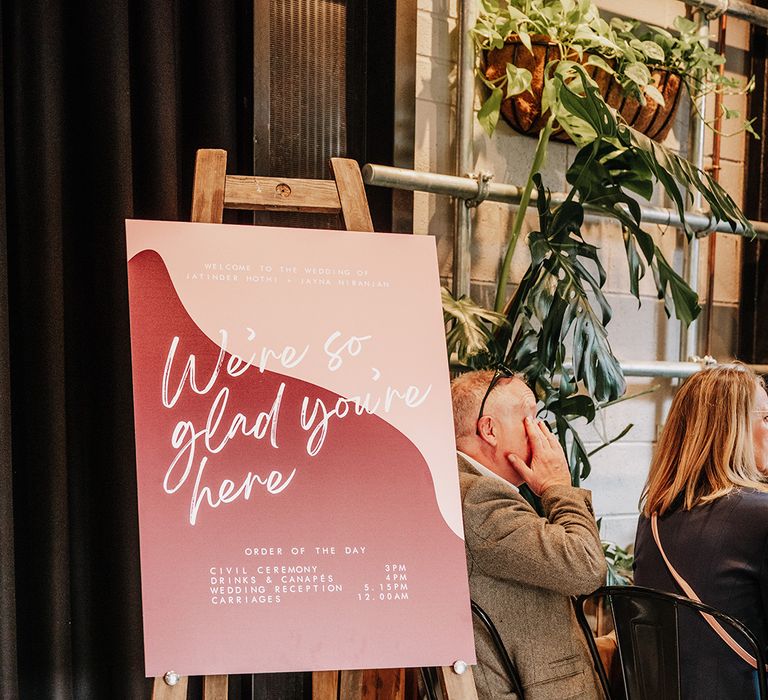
x=692, y=252
x=732, y=8
x=660, y=368
x=462, y=257
x=467, y=188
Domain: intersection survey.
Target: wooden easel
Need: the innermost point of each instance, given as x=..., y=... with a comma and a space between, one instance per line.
x=213, y=191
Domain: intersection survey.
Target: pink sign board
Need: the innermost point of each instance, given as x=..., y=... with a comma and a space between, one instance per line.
x=297, y=484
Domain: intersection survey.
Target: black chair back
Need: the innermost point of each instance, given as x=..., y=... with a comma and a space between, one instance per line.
x=428, y=675
x=509, y=667
x=646, y=624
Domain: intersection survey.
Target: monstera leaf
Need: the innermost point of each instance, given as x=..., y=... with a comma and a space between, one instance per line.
x=469, y=332
x=563, y=300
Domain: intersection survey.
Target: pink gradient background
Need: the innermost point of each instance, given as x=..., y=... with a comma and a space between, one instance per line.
x=369, y=485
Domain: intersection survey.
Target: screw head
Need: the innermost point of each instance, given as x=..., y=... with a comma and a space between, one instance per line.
x=171, y=678
x=460, y=667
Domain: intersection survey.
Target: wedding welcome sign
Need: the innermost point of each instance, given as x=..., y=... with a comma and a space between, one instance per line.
x=297, y=483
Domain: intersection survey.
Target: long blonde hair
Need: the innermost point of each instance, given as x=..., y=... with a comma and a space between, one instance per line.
x=705, y=449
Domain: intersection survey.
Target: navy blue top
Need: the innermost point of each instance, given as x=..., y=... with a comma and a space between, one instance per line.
x=721, y=550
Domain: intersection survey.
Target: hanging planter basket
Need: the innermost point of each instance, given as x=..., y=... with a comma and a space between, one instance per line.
x=523, y=112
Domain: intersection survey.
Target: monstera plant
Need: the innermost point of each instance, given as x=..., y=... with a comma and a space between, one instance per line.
x=552, y=328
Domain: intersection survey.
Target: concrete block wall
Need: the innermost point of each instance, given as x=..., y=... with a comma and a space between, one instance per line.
x=643, y=333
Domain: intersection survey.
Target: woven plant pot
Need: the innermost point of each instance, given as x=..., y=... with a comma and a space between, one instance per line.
x=523, y=112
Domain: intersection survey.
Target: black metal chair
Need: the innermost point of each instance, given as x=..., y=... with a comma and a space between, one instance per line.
x=646, y=626
x=510, y=668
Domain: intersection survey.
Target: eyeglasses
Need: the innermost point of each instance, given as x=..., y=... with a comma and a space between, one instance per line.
x=502, y=372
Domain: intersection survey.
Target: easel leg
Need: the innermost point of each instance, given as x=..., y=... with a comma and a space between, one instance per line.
x=162, y=691
x=215, y=687
x=383, y=684
x=325, y=685
x=457, y=686
x=370, y=684
x=350, y=685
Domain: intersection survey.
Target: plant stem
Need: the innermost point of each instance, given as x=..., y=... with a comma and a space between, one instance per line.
x=517, y=223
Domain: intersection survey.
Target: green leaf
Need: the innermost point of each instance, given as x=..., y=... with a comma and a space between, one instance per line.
x=518, y=80
x=653, y=92
x=660, y=33
x=550, y=336
x=621, y=25
x=588, y=107
x=686, y=300
x=636, y=265
x=488, y=115
x=620, y=563
x=579, y=457
x=483, y=31
x=684, y=26
x=638, y=73
x=569, y=216
x=653, y=51
x=580, y=405
x=525, y=39
x=673, y=172
x=600, y=171
x=490, y=6
x=594, y=60
x=470, y=330
x=592, y=39
x=593, y=361
x=538, y=247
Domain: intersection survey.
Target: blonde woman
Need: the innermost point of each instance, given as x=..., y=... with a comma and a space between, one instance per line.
x=706, y=486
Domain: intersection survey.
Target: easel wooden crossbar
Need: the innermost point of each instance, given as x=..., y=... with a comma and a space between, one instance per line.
x=214, y=191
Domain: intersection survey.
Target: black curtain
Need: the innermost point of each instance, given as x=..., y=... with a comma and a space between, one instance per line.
x=102, y=106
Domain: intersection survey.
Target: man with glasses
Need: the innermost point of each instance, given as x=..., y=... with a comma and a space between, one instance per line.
x=524, y=568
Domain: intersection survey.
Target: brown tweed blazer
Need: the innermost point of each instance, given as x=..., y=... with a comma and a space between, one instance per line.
x=523, y=570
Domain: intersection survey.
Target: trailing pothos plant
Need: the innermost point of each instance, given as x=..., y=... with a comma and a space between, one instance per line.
x=626, y=49
x=552, y=328
x=683, y=53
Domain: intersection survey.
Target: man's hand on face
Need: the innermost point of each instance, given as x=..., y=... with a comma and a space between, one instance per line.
x=548, y=464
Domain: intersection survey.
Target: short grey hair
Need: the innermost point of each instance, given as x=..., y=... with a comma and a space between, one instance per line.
x=467, y=391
